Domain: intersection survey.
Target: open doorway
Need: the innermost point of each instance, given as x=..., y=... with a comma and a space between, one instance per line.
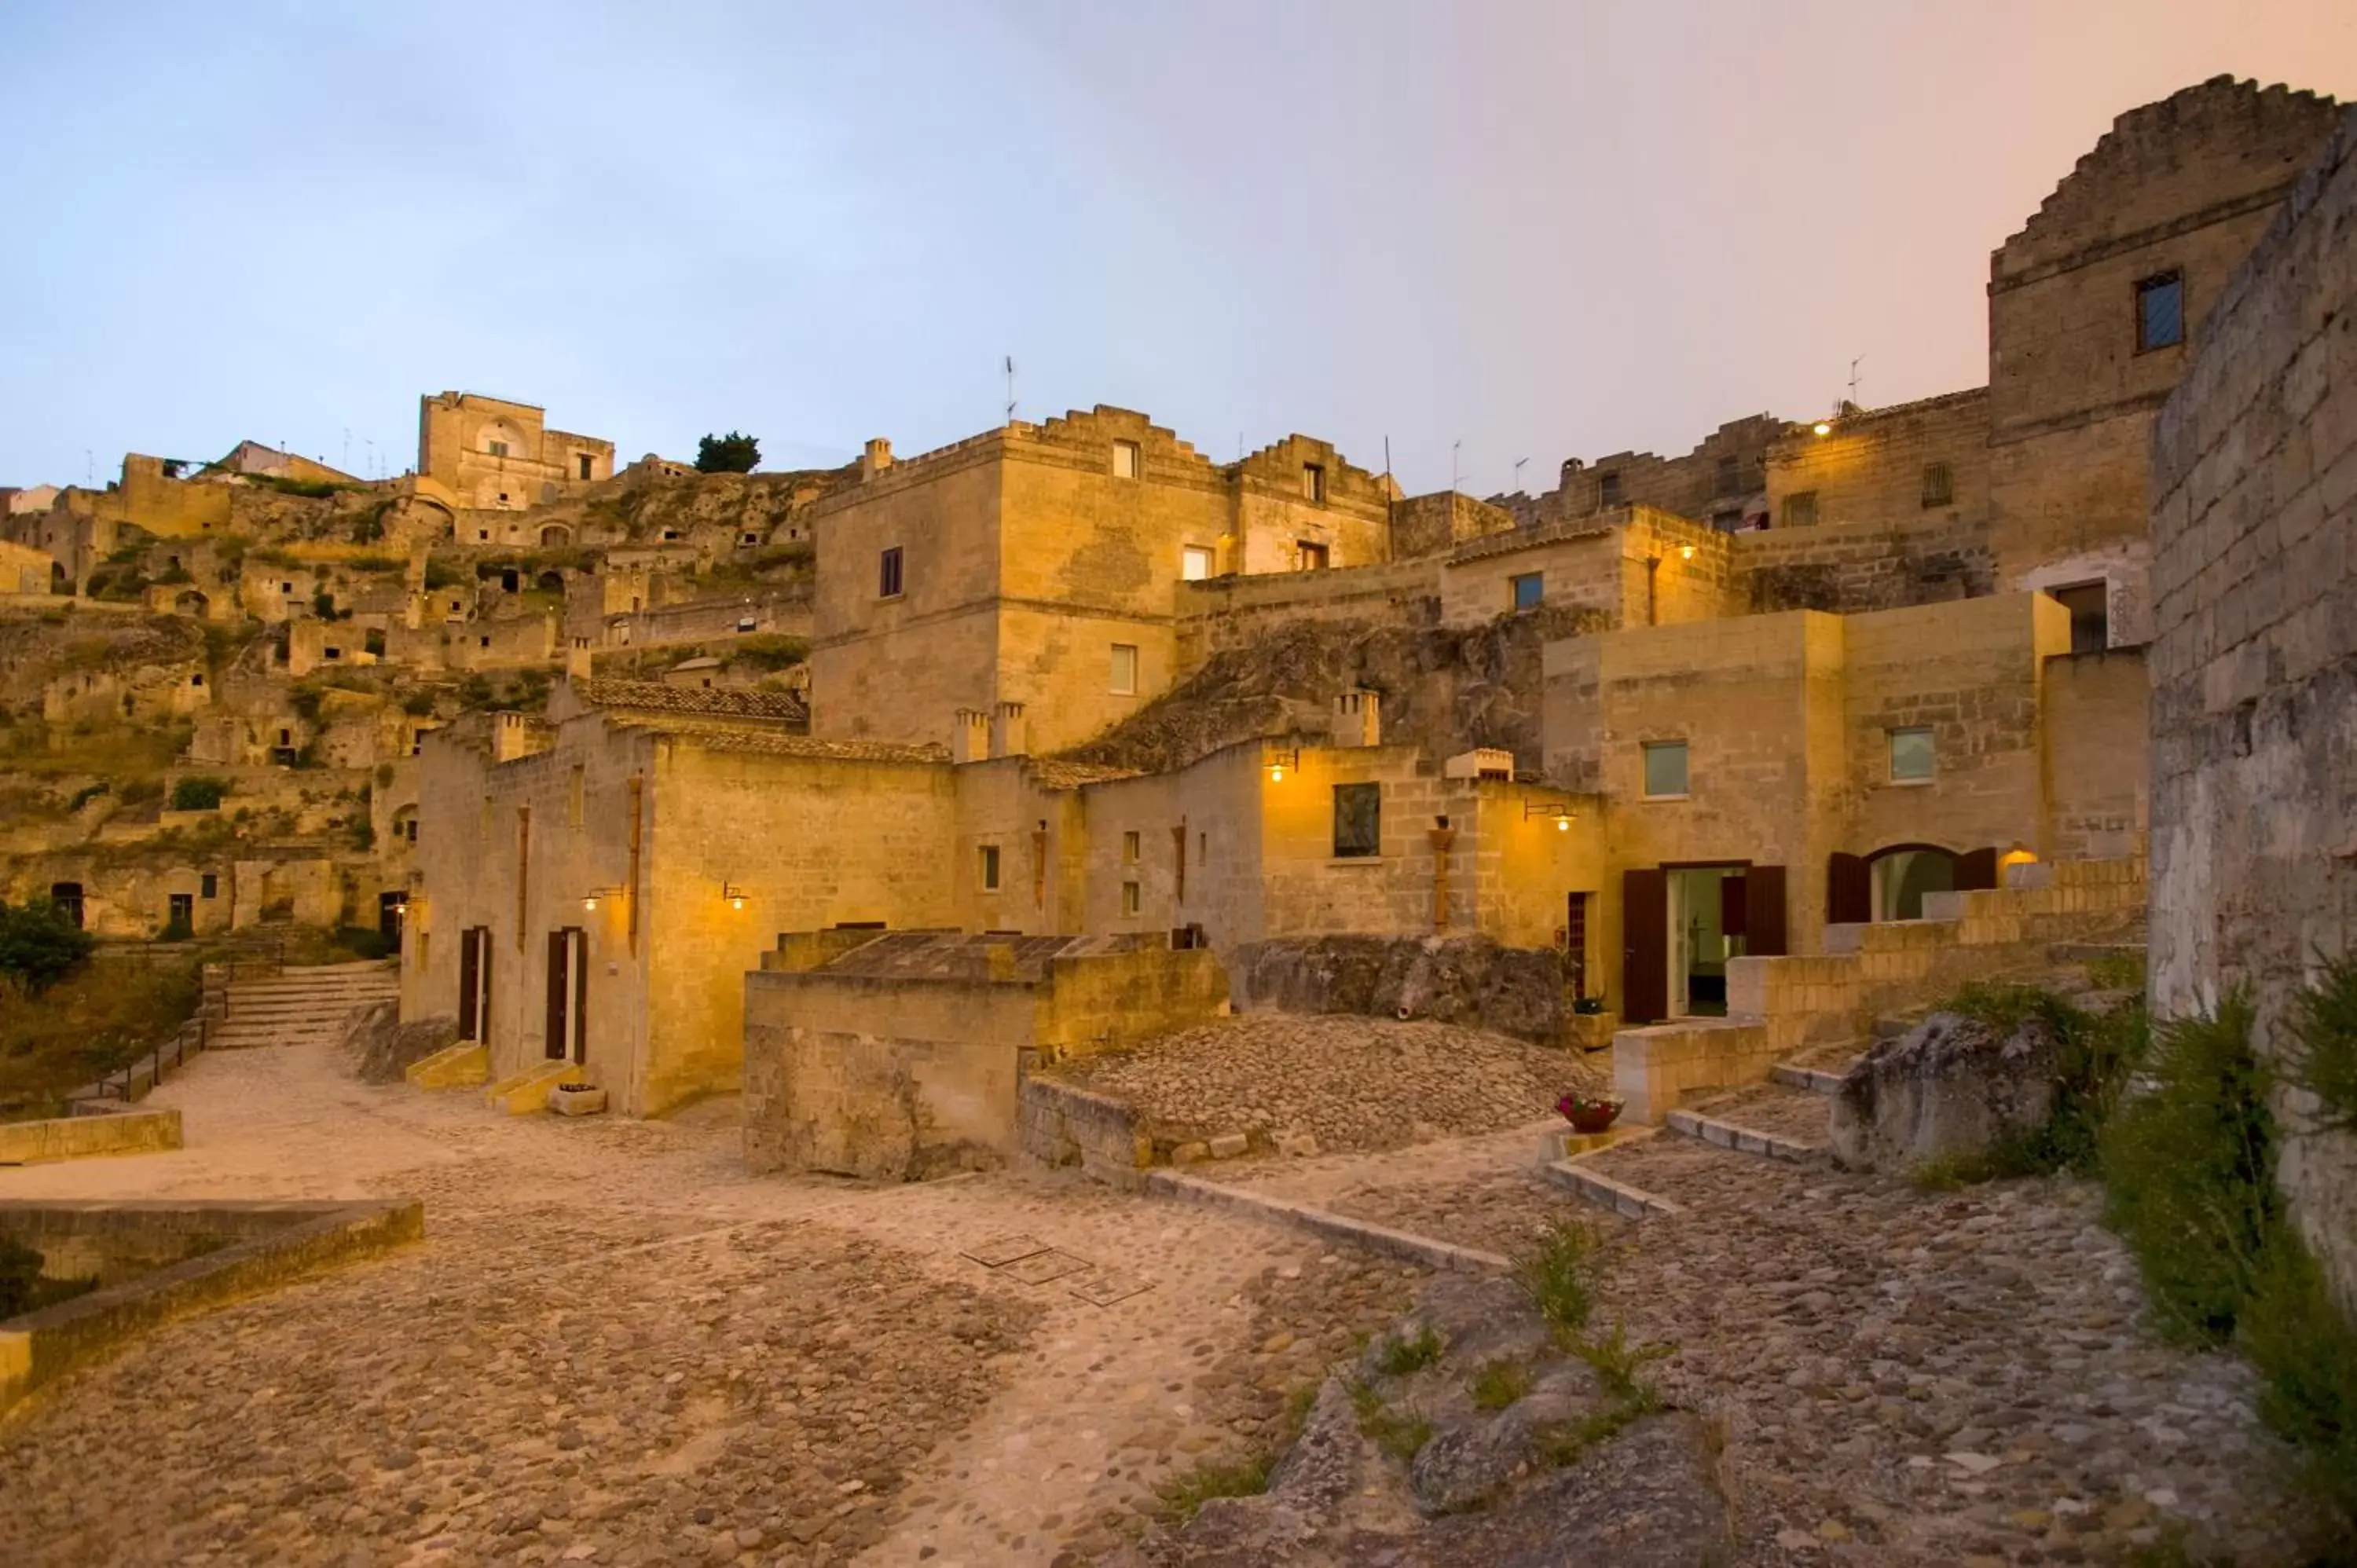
x=1903, y=875
x=1706, y=928
x=567, y=1037
x=1681, y=925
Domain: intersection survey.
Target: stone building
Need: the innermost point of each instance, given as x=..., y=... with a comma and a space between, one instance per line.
x=491, y=454
x=2254, y=654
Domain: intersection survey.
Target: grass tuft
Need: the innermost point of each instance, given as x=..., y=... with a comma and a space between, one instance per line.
x=1402, y=1433
x=1494, y=1385
x=1560, y=1273
x=1617, y=1365
x=1184, y=1495
x=1412, y=1353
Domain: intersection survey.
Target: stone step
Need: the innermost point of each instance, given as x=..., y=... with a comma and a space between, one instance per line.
x=1742, y=1139
x=1814, y=1080
x=1618, y=1197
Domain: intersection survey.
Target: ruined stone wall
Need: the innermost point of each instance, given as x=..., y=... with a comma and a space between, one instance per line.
x=1848, y=568
x=1700, y=485
x=2254, y=659
x=2185, y=186
x=1238, y=611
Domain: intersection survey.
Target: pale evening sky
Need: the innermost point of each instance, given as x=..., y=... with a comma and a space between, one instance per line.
x=1542, y=229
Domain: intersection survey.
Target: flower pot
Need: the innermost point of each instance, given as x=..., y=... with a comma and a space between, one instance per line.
x=1592, y=1118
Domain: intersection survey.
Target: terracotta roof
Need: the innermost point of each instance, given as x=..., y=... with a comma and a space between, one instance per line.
x=653, y=696
x=779, y=744
x=1051, y=774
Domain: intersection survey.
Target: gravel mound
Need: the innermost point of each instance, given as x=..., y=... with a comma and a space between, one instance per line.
x=1351, y=1083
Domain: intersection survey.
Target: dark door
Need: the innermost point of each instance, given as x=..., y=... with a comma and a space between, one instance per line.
x=1976, y=869
x=568, y=995
x=184, y=910
x=1763, y=911
x=475, y=983
x=1644, y=945
x=67, y=897
x=1575, y=942
x=390, y=908
x=1849, y=890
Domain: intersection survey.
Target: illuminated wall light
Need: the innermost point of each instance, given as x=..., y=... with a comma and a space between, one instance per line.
x=1685, y=551
x=1822, y=428
x=734, y=893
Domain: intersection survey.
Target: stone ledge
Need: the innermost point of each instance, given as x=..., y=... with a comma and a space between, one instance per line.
x=83, y=1137
x=1630, y=1202
x=1816, y=1080
x=1742, y=1139
x=1325, y=1222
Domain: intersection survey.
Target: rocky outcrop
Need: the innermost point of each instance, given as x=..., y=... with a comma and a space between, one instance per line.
x=1470, y=980
x=383, y=1047
x=1950, y=1086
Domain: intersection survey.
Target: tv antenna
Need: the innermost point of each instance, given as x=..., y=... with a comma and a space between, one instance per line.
x=1010, y=388
x=1853, y=364
x=1453, y=447
x=1518, y=473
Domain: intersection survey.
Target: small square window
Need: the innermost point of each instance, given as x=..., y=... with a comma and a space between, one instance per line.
x=1358, y=820
x=2160, y=311
x=1129, y=898
x=1312, y=555
x=482, y=535
x=1313, y=482
x=1939, y=486
x=888, y=574
x=1124, y=670
x=585, y=461
x=1194, y=563
x=1800, y=509
x=990, y=868
x=1666, y=769
x=1529, y=590
x=1913, y=759
x=497, y=450
x=331, y=653
x=487, y=642
x=1131, y=844
x=1124, y=459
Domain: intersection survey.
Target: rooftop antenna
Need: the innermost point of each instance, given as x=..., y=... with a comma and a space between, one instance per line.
x=347, y=464
x=1853, y=364
x=1010, y=388
x=1518, y=473
x=89, y=468
x=1389, y=487
x=1453, y=446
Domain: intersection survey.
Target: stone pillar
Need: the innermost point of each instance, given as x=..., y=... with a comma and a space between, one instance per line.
x=1440, y=840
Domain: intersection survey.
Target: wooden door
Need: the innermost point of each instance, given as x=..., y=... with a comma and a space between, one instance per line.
x=1763, y=911
x=560, y=998
x=1849, y=890
x=1644, y=945
x=472, y=1024
x=1976, y=870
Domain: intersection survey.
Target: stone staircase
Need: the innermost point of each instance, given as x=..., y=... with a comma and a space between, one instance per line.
x=302, y=1006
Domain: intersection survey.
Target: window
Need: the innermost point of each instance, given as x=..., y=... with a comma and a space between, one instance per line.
x=1131, y=846
x=1358, y=820
x=487, y=642
x=1313, y=482
x=331, y=653
x=1311, y=554
x=1529, y=590
x=670, y=535
x=1800, y=509
x=2160, y=311
x=1666, y=769
x=481, y=536
x=286, y=738
x=1607, y=487
x=208, y=885
x=990, y=868
x=183, y=910
x=497, y=450
x=1913, y=757
x=1730, y=477
x=285, y=587
x=1124, y=669
x=583, y=458
x=1129, y=899
x=1728, y=522
x=748, y=539
x=746, y=623
x=409, y=828
x=503, y=497
x=1939, y=485
x=1194, y=563
x=1124, y=459
x=2090, y=615
x=888, y=574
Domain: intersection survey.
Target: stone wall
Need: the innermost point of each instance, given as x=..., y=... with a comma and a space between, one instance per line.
x=1470, y=980
x=1874, y=465
x=1875, y=564
x=2254, y=660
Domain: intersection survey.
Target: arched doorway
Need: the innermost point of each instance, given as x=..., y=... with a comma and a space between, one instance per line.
x=1903, y=873
x=190, y=602
x=554, y=535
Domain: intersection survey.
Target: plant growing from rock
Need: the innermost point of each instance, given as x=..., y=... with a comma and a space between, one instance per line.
x=1495, y=1385
x=1401, y=1432
x=1403, y=1354
x=1560, y=1273
x=1184, y=1494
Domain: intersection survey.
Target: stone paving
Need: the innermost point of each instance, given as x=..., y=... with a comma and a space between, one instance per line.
x=1348, y=1083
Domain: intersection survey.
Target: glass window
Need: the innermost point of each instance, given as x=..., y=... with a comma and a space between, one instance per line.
x=990, y=868
x=1913, y=757
x=1357, y=820
x=1665, y=768
x=2160, y=311
x=1124, y=459
x=1313, y=481
x=1129, y=899
x=1124, y=669
x=497, y=450
x=1130, y=846
x=1529, y=590
x=1194, y=563
x=888, y=574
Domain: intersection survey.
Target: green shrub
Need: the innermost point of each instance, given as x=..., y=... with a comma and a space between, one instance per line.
x=1559, y=1272
x=1617, y=1363
x=22, y=1288
x=1184, y=1494
x=362, y=941
x=198, y=792
x=2117, y=972
x=2320, y=1057
x=85, y=795
x=1412, y=1353
x=39, y=946
x=1497, y=1384
x=1402, y=1433
x=769, y=651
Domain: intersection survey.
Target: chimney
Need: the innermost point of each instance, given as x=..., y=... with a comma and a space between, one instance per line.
x=970, y=735
x=1007, y=734
x=1358, y=718
x=876, y=458
x=577, y=660
x=510, y=738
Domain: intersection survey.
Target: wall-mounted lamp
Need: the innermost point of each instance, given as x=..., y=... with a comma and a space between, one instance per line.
x=589, y=900
x=734, y=893
x=1277, y=759
x=1685, y=551
x=1557, y=810
x=1822, y=428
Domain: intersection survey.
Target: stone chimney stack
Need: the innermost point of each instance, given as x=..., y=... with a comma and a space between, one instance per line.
x=1009, y=734
x=577, y=665
x=970, y=735
x=1358, y=718
x=876, y=458
x=511, y=737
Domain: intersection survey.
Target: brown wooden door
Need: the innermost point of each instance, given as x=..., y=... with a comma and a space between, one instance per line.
x=1849, y=890
x=1763, y=911
x=1644, y=945
x=560, y=998
x=1976, y=870
x=474, y=983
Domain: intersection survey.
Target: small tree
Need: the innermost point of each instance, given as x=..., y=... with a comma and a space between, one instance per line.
x=39, y=946
x=730, y=454
x=197, y=793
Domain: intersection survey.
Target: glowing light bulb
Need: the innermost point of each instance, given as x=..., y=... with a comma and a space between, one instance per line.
x=737, y=903
x=1685, y=551
x=590, y=902
x=1276, y=775
x=1563, y=824
x=1822, y=428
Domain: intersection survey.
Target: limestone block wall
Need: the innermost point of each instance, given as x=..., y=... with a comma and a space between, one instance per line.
x=1871, y=467
x=2253, y=664
x=2096, y=734
x=1876, y=563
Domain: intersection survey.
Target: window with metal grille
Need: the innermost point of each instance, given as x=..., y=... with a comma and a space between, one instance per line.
x=1800, y=509
x=2160, y=311
x=1357, y=820
x=1939, y=485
